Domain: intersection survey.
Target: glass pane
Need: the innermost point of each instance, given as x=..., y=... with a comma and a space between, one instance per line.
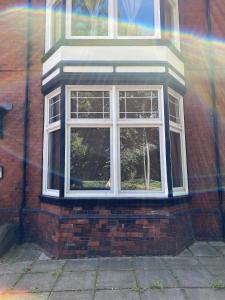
x=90, y=159
x=91, y=104
x=140, y=159
x=138, y=104
x=56, y=18
x=54, y=109
x=169, y=20
x=174, y=109
x=54, y=160
x=90, y=17
x=135, y=17
x=176, y=159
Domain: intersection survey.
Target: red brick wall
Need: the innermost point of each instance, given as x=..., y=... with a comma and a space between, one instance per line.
x=12, y=84
x=198, y=117
x=103, y=231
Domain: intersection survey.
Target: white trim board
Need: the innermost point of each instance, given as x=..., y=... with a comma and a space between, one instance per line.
x=114, y=53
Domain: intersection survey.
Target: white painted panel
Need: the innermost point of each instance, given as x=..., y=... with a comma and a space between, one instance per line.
x=114, y=53
x=89, y=69
x=52, y=61
x=171, y=72
x=51, y=76
x=140, y=69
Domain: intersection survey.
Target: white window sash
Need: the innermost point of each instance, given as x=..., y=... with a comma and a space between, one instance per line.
x=113, y=23
x=48, y=128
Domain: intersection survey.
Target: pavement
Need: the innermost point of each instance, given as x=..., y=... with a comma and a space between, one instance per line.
x=197, y=273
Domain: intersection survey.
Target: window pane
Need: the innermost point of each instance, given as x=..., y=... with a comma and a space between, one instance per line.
x=138, y=104
x=176, y=159
x=140, y=159
x=54, y=160
x=91, y=104
x=54, y=109
x=174, y=109
x=90, y=17
x=135, y=17
x=56, y=18
x=169, y=20
x=90, y=159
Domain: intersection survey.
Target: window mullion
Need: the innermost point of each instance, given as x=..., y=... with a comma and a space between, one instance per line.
x=115, y=142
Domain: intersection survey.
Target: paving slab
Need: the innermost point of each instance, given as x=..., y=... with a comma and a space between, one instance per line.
x=116, y=264
x=76, y=265
x=36, y=282
x=116, y=295
x=203, y=249
x=217, y=244
x=221, y=249
x=178, y=262
x=216, y=270
x=115, y=280
x=71, y=296
x=168, y=294
x=213, y=261
x=146, y=278
x=15, y=268
x=205, y=294
x=72, y=281
x=193, y=277
x=148, y=263
x=7, y=281
x=47, y=266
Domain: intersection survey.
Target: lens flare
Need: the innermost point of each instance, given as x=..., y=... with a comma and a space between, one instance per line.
x=19, y=295
x=195, y=47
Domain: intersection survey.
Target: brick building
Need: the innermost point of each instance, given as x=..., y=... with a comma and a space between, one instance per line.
x=112, y=124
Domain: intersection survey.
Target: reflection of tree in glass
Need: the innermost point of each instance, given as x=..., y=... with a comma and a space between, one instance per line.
x=94, y=10
x=90, y=156
x=136, y=165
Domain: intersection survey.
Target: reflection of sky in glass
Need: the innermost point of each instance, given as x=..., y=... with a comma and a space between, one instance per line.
x=136, y=17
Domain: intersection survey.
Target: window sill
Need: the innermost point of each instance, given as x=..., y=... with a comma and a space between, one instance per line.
x=162, y=202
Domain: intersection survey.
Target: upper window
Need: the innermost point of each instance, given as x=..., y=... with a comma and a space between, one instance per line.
x=56, y=21
x=113, y=19
x=171, y=21
x=53, y=22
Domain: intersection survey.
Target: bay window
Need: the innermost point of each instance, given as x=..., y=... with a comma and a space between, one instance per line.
x=115, y=142
x=111, y=19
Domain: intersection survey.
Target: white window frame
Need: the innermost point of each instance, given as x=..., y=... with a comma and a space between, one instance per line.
x=112, y=23
x=180, y=129
x=48, y=22
x=115, y=123
x=48, y=128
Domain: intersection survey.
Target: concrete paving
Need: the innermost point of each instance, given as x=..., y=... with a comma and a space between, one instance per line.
x=197, y=273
